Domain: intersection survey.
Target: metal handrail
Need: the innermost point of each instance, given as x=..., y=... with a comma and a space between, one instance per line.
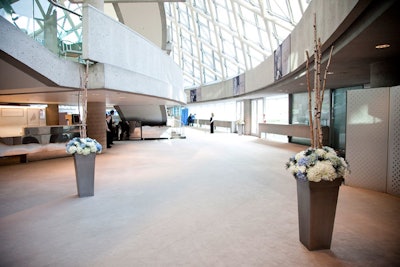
x=64, y=8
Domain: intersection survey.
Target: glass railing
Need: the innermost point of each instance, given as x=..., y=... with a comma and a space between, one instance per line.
x=58, y=28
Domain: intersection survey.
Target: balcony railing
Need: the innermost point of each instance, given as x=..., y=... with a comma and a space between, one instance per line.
x=57, y=27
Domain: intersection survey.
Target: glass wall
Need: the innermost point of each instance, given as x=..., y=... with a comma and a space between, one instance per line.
x=276, y=109
x=257, y=112
x=223, y=111
x=338, y=130
x=300, y=109
x=217, y=40
x=300, y=113
x=57, y=28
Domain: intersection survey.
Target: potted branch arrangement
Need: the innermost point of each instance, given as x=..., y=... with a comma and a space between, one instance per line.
x=84, y=150
x=318, y=170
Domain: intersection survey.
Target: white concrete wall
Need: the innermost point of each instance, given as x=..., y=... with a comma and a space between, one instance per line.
x=21, y=47
x=14, y=119
x=130, y=62
x=329, y=16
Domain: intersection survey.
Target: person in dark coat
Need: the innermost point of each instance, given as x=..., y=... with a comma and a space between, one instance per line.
x=212, y=123
x=108, y=130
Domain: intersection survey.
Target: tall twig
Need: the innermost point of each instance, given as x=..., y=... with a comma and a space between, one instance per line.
x=316, y=85
x=309, y=99
x=316, y=135
x=83, y=96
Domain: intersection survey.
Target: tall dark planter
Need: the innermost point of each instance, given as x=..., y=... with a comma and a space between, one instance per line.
x=84, y=172
x=317, y=208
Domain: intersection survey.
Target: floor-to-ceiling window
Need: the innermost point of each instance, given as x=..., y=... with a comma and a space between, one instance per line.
x=257, y=112
x=276, y=111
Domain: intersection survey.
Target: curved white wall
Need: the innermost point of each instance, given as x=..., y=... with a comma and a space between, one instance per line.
x=129, y=62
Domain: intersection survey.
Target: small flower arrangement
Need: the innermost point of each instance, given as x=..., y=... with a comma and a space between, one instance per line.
x=83, y=146
x=317, y=164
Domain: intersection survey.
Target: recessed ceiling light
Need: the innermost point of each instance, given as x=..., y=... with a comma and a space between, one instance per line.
x=382, y=46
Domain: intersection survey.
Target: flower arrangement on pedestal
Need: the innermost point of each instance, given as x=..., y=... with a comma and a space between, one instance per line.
x=84, y=149
x=83, y=146
x=317, y=164
x=318, y=170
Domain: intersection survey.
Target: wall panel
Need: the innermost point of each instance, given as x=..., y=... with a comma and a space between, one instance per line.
x=393, y=185
x=367, y=138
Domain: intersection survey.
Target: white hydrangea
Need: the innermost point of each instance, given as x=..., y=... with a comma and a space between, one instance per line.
x=86, y=151
x=93, y=148
x=322, y=170
x=321, y=152
x=71, y=149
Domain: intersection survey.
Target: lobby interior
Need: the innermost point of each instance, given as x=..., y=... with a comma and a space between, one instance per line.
x=220, y=199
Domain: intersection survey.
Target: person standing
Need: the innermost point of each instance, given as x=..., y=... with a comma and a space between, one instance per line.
x=212, y=123
x=189, y=119
x=111, y=127
x=108, y=130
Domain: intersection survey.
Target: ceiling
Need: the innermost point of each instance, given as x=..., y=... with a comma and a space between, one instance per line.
x=354, y=52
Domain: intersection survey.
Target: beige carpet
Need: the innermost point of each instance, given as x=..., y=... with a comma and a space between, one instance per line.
x=207, y=200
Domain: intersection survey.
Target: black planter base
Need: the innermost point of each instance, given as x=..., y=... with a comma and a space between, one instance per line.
x=84, y=172
x=317, y=208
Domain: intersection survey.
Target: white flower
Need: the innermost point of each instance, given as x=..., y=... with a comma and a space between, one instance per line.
x=83, y=146
x=71, y=149
x=322, y=170
x=86, y=151
x=93, y=148
x=320, y=152
x=319, y=164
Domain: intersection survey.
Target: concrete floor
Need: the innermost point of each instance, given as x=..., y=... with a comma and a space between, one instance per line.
x=207, y=200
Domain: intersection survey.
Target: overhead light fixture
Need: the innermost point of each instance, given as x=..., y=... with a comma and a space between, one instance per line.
x=382, y=46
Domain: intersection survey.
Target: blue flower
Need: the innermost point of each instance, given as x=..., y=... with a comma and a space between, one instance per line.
x=83, y=146
x=303, y=162
x=301, y=176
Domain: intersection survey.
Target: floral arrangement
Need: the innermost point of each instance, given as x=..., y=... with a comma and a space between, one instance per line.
x=316, y=164
x=83, y=146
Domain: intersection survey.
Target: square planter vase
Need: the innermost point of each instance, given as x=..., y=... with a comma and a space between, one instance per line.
x=316, y=210
x=84, y=172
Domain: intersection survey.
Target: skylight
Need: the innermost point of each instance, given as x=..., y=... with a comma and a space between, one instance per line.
x=215, y=40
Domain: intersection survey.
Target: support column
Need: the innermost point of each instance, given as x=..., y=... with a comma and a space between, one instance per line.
x=384, y=73
x=52, y=115
x=50, y=32
x=96, y=122
x=247, y=116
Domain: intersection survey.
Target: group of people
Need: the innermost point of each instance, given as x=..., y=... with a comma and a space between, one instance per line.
x=190, y=119
x=113, y=130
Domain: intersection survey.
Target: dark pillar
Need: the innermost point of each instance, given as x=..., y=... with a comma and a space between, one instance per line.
x=52, y=115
